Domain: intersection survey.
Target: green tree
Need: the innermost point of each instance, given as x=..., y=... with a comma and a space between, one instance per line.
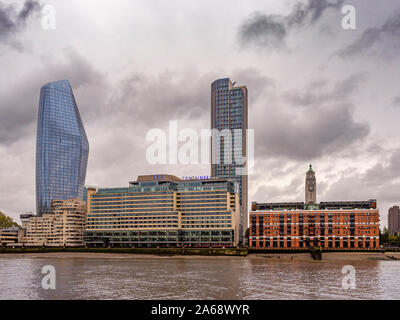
x=6, y=221
x=247, y=236
x=384, y=235
x=394, y=240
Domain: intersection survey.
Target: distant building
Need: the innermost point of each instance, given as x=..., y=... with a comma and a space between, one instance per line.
x=229, y=111
x=299, y=225
x=11, y=236
x=62, y=147
x=166, y=211
x=394, y=220
x=63, y=226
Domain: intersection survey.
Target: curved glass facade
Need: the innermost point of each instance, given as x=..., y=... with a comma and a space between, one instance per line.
x=62, y=147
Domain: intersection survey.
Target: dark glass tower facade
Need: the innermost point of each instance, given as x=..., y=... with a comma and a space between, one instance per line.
x=62, y=147
x=229, y=111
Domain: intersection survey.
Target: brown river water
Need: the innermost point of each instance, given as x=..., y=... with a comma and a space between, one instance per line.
x=196, y=278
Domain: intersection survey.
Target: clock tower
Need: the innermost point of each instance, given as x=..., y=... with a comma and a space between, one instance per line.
x=311, y=187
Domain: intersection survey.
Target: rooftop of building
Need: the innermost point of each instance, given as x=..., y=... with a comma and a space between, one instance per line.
x=326, y=205
x=175, y=179
x=166, y=182
x=88, y=186
x=227, y=81
x=10, y=229
x=26, y=215
x=58, y=84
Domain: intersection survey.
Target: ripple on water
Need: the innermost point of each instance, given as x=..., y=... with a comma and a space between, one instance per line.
x=197, y=278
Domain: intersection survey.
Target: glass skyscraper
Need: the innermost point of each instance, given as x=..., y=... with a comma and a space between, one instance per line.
x=229, y=113
x=62, y=147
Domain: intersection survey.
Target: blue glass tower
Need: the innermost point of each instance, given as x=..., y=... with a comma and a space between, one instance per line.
x=62, y=147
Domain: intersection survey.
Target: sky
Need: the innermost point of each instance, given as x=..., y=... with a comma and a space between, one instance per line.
x=318, y=93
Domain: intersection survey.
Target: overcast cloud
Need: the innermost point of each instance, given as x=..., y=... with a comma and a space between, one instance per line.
x=136, y=65
x=271, y=30
x=382, y=37
x=13, y=21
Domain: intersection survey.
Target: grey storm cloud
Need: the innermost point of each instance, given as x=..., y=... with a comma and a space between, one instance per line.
x=390, y=31
x=266, y=192
x=19, y=107
x=153, y=99
x=184, y=96
x=12, y=21
x=121, y=99
x=148, y=101
x=380, y=181
x=396, y=101
x=322, y=132
x=256, y=82
x=308, y=125
x=271, y=30
x=341, y=91
x=263, y=30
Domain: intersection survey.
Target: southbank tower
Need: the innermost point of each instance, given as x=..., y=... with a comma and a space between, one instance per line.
x=229, y=116
x=62, y=147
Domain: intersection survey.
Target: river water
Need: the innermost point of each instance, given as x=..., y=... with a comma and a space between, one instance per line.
x=196, y=278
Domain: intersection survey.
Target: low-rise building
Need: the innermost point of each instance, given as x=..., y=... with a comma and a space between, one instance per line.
x=63, y=226
x=164, y=210
x=299, y=225
x=11, y=236
x=347, y=225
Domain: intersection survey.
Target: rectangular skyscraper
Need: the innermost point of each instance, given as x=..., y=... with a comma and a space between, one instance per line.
x=394, y=220
x=229, y=107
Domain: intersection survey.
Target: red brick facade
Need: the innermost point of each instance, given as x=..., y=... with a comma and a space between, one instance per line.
x=299, y=229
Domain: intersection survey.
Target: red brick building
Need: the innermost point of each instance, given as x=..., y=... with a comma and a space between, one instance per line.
x=299, y=225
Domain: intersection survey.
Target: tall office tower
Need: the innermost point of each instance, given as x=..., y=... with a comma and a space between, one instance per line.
x=311, y=187
x=394, y=220
x=62, y=147
x=229, y=110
